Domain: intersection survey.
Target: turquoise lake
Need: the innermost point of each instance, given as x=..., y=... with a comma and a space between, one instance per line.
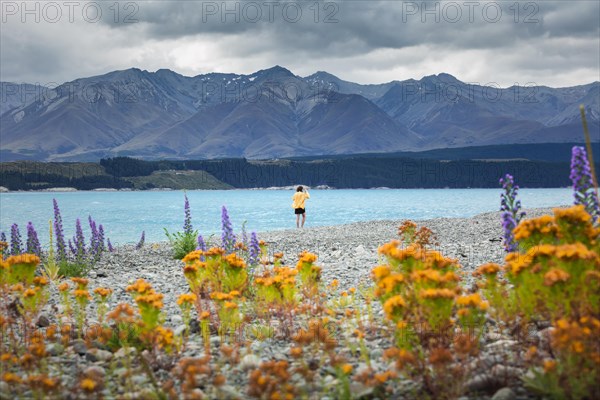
x=125, y=215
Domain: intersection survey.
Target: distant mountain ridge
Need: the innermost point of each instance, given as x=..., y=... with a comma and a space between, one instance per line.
x=273, y=113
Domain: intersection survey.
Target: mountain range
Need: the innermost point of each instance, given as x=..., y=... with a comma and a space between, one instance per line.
x=273, y=113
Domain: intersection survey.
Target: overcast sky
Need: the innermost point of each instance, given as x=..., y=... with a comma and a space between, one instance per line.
x=554, y=43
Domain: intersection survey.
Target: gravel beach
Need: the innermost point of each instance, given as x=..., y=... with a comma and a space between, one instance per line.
x=346, y=252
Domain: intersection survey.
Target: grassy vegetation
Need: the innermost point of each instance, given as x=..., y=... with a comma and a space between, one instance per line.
x=178, y=180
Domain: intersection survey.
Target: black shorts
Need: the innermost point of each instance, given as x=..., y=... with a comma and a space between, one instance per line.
x=299, y=210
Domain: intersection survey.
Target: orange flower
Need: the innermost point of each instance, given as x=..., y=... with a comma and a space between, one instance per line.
x=23, y=259
x=347, y=368
x=103, y=292
x=187, y=298
x=296, y=352
x=437, y=294
x=487, y=269
x=393, y=304
x=193, y=256
x=556, y=275
x=88, y=385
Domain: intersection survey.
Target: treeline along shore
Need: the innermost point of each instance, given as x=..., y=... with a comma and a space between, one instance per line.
x=450, y=169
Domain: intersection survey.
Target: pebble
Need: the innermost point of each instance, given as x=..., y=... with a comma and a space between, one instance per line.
x=249, y=362
x=94, y=355
x=504, y=394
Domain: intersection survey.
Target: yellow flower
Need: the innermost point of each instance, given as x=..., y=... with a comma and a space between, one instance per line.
x=473, y=300
x=390, y=282
x=204, y=315
x=88, y=385
x=235, y=261
x=306, y=257
x=393, y=304
x=230, y=305
x=151, y=299
x=82, y=282
x=487, y=269
x=193, y=256
x=63, y=287
x=549, y=365
x=575, y=215
x=9, y=377
x=188, y=298
x=140, y=287
x=381, y=271
x=555, y=275
x=40, y=281
x=31, y=292
x=437, y=294
x=347, y=368
x=23, y=259
x=103, y=292
x=82, y=294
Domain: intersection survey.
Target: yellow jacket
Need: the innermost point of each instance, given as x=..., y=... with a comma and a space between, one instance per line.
x=299, y=199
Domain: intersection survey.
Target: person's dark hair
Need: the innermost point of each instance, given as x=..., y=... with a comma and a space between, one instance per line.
x=299, y=189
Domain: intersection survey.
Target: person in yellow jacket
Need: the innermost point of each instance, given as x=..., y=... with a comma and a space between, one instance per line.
x=299, y=199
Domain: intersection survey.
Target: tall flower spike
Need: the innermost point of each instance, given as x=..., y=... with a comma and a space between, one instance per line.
x=79, y=243
x=511, y=214
x=33, y=243
x=254, y=250
x=583, y=187
x=187, y=223
x=101, y=246
x=201, y=243
x=109, y=245
x=227, y=236
x=3, y=237
x=140, y=244
x=61, y=247
x=16, y=245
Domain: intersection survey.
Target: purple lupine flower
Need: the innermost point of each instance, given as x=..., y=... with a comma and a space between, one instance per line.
x=227, y=236
x=201, y=243
x=61, y=248
x=140, y=244
x=33, y=243
x=72, y=248
x=254, y=250
x=244, y=234
x=109, y=245
x=583, y=186
x=94, y=232
x=101, y=238
x=79, y=242
x=511, y=214
x=187, y=222
x=3, y=237
x=16, y=244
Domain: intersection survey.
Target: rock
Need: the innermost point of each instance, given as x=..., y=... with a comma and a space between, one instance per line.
x=180, y=330
x=479, y=383
x=124, y=351
x=502, y=345
x=80, y=347
x=94, y=371
x=504, y=394
x=249, y=362
x=43, y=321
x=176, y=320
x=55, y=349
x=230, y=392
x=94, y=355
x=215, y=340
x=92, y=275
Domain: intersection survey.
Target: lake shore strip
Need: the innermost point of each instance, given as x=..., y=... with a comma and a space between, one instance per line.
x=345, y=252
